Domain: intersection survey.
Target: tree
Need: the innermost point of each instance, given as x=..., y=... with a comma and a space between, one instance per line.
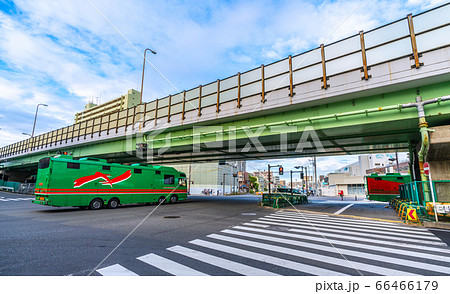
x=254, y=183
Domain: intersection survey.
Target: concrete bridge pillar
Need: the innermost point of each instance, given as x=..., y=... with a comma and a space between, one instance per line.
x=439, y=160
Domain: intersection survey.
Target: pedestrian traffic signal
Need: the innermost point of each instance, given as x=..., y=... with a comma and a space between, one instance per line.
x=280, y=170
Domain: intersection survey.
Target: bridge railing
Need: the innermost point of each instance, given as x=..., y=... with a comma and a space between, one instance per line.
x=410, y=36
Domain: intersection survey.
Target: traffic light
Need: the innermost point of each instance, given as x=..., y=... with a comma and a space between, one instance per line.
x=302, y=175
x=280, y=170
x=141, y=147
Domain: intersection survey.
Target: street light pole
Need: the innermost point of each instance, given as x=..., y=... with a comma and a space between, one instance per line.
x=35, y=117
x=143, y=69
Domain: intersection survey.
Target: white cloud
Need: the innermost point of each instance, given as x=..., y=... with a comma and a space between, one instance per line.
x=61, y=52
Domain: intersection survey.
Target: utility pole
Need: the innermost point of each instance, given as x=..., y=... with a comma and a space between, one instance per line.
x=223, y=184
x=189, y=179
x=306, y=175
x=396, y=158
x=315, y=176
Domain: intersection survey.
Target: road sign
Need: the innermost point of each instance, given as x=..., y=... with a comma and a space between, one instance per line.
x=426, y=168
x=412, y=214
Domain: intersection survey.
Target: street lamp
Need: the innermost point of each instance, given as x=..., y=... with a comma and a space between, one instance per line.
x=35, y=117
x=26, y=134
x=143, y=69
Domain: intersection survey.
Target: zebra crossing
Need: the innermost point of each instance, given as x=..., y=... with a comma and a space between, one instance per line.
x=299, y=243
x=8, y=199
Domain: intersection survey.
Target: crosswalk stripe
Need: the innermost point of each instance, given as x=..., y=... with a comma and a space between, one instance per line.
x=331, y=223
x=312, y=256
x=257, y=225
x=169, y=266
x=370, y=256
x=221, y=262
x=370, y=240
x=116, y=270
x=343, y=209
x=411, y=239
x=382, y=248
x=305, y=268
x=350, y=221
x=301, y=214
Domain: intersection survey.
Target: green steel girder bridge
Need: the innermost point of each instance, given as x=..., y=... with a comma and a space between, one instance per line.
x=341, y=98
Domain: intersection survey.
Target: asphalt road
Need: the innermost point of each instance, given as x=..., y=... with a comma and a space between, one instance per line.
x=214, y=236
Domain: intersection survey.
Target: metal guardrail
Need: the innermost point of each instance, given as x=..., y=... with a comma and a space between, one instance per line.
x=279, y=200
x=409, y=36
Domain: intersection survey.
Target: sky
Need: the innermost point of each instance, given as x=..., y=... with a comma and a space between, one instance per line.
x=66, y=53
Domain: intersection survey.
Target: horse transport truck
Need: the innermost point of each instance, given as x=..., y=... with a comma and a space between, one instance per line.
x=93, y=183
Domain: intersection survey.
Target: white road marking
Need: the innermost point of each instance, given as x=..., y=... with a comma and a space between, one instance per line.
x=268, y=259
x=350, y=220
x=331, y=222
x=411, y=239
x=441, y=248
x=221, y=262
x=15, y=199
x=116, y=270
x=351, y=243
x=343, y=209
x=169, y=266
x=347, y=252
x=315, y=257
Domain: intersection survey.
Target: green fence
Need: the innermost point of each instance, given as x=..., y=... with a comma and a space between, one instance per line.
x=279, y=200
x=416, y=195
x=420, y=192
x=14, y=185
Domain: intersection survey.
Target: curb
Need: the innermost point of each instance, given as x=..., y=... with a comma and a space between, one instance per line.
x=438, y=225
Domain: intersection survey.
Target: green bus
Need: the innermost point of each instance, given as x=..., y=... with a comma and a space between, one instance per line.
x=93, y=183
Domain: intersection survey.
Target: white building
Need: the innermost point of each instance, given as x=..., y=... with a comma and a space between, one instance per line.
x=212, y=177
x=350, y=179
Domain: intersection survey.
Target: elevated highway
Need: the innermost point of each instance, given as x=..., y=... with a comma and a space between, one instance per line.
x=340, y=98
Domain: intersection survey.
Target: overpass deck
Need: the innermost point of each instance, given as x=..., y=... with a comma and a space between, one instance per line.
x=382, y=67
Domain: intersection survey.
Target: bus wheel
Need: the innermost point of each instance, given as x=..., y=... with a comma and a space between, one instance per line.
x=113, y=203
x=161, y=200
x=96, y=204
x=173, y=199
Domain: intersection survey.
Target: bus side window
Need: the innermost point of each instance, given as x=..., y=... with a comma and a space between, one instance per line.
x=169, y=179
x=105, y=167
x=74, y=165
x=157, y=172
x=378, y=179
x=137, y=171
